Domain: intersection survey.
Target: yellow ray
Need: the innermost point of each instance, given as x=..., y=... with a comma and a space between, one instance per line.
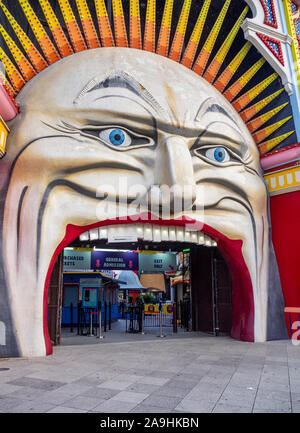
x=251, y=111
x=59, y=36
x=205, y=53
x=135, y=33
x=218, y=60
x=231, y=69
x=23, y=64
x=259, y=121
x=119, y=24
x=267, y=146
x=249, y=96
x=149, y=34
x=74, y=31
x=165, y=29
x=34, y=55
x=191, y=49
x=4, y=82
x=105, y=31
x=177, y=44
x=241, y=82
x=13, y=74
x=40, y=33
x=89, y=30
x=264, y=133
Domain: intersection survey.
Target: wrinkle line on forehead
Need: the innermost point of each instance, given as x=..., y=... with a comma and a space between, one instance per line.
x=121, y=79
x=211, y=105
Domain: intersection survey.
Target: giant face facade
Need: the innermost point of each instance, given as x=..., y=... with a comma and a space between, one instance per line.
x=103, y=118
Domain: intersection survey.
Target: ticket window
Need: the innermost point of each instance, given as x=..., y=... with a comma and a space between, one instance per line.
x=89, y=297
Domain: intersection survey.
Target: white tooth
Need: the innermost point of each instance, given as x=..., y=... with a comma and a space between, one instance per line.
x=187, y=236
x=179, y=234
x=94, y=234
x=140, y=231
x=102, y=233
x=214, y=243
x=156, y=234
x=194, y=237
x=164, y=233
x=84, y=236
x=207, y=241
x=201, y=239
x=172, y=233
x=148, y=233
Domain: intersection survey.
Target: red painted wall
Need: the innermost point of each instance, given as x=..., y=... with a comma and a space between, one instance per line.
x=285, y=217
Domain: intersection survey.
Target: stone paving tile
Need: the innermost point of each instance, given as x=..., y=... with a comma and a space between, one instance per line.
x=162, y=401
x=262, y=405
x=273, y=395
x=114, y=384
x=170, y=391
x=149, y=380
x=31, y=407
x=114, y=406
x=63, y=409
x=9, y=402
x=74, y=389
x=199, y=395
x=203, y=406
x=6, y=389
x=83, y=402
x=130, y=397
x=37, y=383
x=143, y=387
x=27, y=393
x=142, y=408
x=101, y=393
x=229, y=408
x=296, y=408
x=160, y=374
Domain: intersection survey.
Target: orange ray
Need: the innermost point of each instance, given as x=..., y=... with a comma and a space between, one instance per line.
x=165, y=29
x=59, y=36
x=89, y=30
x=119, y=24
x=74, y=31
x=105, y=31
x=135, y=33
x=177, y=44
x=149, y=34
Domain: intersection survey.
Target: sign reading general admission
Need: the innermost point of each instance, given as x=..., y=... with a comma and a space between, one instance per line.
x=102, y=260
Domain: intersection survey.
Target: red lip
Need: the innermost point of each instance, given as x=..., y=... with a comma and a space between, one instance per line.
x=242, y=291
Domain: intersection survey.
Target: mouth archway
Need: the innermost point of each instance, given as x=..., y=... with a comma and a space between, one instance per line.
x=231, y=250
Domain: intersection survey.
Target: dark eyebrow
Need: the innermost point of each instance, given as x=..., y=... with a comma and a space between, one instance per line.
x=216, y=108
x=125, y=81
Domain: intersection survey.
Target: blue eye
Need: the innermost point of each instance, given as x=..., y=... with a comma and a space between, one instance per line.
x=218, y=154
x=117, y=137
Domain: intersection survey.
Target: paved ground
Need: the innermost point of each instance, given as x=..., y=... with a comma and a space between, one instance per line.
x=192, y=372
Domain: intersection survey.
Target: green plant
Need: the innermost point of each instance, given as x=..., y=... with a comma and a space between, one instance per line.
x=148, y=298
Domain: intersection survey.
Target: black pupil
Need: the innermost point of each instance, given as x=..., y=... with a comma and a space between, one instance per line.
x=220, y=154
x=117, y=137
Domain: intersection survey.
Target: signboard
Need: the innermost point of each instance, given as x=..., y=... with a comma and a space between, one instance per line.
x=160, y=262
x=154, y=308
x=3, y=136
x=115, y=260
x=76, y=260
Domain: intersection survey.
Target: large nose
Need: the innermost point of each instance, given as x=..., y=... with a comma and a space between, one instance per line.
x=174, y=182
